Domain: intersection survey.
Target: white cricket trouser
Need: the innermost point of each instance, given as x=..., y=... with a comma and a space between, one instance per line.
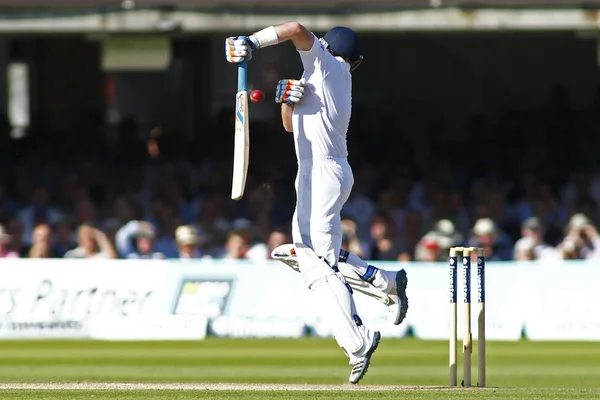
x=323, y=186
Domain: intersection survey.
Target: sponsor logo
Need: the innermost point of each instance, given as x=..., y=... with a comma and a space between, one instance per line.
x=42, y=325
x=241, y=99
x=206, y=297
x=453, y=280
x=50, y=300
x=480, y=285
x=466, y=285
x=241, y=104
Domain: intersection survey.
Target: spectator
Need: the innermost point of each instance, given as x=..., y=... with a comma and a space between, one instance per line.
x=582, y=240
x=91, y=243
x=428, y=249
x=449, y=235
x=387, y=202
x=422, y=196
x=176, y=196
x=435, y=244
x=165, y=222
x=524, y=249
x=531, y=245
x=38, y=212
x=166, y=243
x=14, y=228
x=351, y=241
x=188, y=242
x=457, y=213
x=5, y=251
x=85, y=212
x=400, y=188
x=385, y=247
x=213, y=223
x=110, y=226
x=136, y=239
x=412, y=234
x=8, y=207
x=360, y=207
x=63, y=234
x=42, y=242
x=528, y=199
x=256, y=249
x=262, y=206
x=549, y=210
x=496, y=244
x=551, y=174
x=578, y=186
x=494, y=198
x=278, y=237
x=236, y=246
x=123, y=210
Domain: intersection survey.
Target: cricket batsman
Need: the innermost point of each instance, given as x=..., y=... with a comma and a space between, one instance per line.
x=324, y=179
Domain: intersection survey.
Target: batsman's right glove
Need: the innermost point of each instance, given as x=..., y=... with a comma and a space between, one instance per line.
x=239, y=48
x=290, y=91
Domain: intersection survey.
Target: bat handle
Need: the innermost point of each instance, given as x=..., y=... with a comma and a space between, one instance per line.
x=242, y=76
x=242, y=73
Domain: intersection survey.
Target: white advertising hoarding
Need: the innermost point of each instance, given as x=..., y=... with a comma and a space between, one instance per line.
x=562, y=302
x=56, y=298
x=74, y=289
x=154, y=299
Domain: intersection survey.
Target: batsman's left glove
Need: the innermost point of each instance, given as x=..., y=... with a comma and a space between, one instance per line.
x=290, y=91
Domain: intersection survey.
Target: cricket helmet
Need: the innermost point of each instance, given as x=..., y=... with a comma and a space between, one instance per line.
x=346, y=43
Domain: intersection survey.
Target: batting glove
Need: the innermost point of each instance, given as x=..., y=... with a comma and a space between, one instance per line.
x=238, y=49
x=290, y=91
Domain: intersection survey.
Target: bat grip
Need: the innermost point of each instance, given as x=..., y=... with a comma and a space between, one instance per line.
x=242, y=73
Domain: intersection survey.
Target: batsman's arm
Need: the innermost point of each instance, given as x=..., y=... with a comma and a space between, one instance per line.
x=286, y=116
x=301, y=37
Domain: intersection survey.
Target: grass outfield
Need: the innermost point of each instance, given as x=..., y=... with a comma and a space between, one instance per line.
x=516, y=370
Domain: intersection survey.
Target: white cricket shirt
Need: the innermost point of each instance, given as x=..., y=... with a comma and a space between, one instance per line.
x=320, y=120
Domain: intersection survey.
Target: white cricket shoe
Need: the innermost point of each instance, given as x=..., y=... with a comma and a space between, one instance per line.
x=399, y=301
x=361, y=364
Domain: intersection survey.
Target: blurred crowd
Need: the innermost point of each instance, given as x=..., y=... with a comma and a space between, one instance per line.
x=522, y=185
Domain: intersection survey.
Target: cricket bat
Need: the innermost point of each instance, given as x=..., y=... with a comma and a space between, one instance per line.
x=241, y=146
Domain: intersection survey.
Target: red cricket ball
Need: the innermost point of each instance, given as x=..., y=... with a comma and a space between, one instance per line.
x=257, y=96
